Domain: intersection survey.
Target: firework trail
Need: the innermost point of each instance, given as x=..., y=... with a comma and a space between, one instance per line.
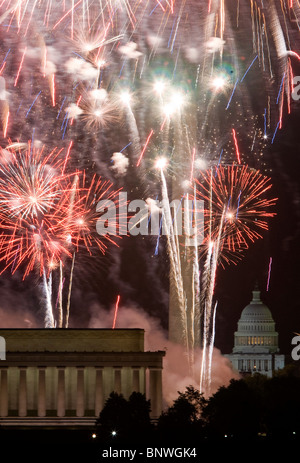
x=173, y=250
x=188, y=252
x=60, y=299
x=67, y=316
x=116, y=312
x=47, y=290
x=210, y=352
x=269, y=273
x=70, y=215
x=209, y=312
x=195, y=312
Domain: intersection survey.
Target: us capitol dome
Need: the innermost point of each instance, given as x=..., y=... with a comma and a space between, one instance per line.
x=256, y=341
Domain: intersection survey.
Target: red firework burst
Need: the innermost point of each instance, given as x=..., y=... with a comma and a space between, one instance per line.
x=239, y=195
x=31, y=183
x=83, y=216
x=33, y=196
x=44, y=212
x=32, y=244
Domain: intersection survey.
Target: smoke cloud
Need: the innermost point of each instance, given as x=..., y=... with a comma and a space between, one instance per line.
x=176, y=374
x=120, y=164
x=17, y=319
x=16, y=305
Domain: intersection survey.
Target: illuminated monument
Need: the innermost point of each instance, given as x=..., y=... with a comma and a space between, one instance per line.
x=256, y=341
x=61, y=377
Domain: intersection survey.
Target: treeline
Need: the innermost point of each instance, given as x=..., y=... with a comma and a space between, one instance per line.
x=255, y=407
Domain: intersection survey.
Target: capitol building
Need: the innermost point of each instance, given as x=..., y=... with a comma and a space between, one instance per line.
x=256, y=341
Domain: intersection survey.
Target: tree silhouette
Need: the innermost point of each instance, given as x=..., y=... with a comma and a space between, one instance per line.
x=123, y=419
x=182, y=420
x=245, y=409
x=233, y=411
x=255, y=405
x=282, y=406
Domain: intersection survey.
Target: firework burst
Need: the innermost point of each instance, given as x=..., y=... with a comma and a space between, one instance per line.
x=31, y=182
x=31, y=245
x=98, y=109
x=84, y=217
x=238, y=194
x=47, y=216
x=33, y=192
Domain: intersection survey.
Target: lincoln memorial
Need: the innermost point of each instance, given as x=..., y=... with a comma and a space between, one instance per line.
x=62, y=377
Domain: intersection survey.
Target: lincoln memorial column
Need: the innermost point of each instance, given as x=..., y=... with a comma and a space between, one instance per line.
x=22, y=392
x=136, y=379
x=117, y=380
x=3, y=393
x=61, y=392
x=80, y=392
x=99, y=391
x=155, y=391
x=42, y=391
